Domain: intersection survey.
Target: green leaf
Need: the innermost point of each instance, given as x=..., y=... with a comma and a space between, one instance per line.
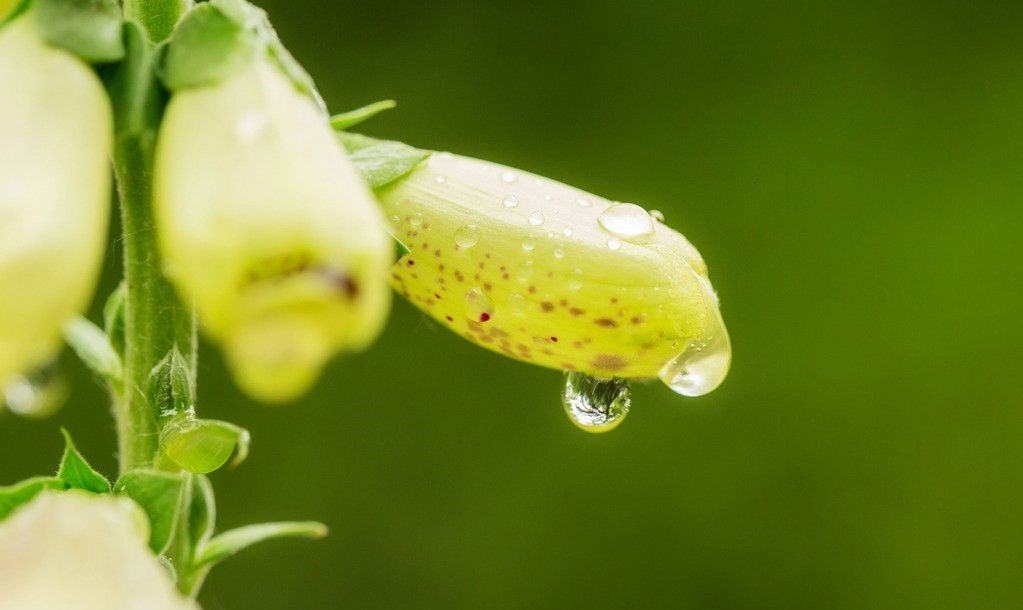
x=208, y=46
x=171, y=387
x=400, y=249
x=113, y=317
x=76, y=472
x=202, y=512
x=232, y=541
x=381, y=162
x=204, y=445
x=13, y=496
x=354, y=117
x=93, y=347
x=90, y=29
x=160, y=496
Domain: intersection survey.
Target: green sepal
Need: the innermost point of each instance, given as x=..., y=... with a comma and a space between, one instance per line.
x=113, y=317
x=93, y=347
x=160, y=496
x=13, y=496
x=14, y=11
x=202, y=511
x=354, y=117
x=208, y=46
x=230, y=542
x=204, y=445
x=171, y=386
x=159, y=16
x=90, y=29
x=76, y=473
x=137, y=97
x=381, y=162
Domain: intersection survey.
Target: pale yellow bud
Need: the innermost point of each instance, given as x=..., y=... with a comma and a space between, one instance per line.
x=264, y=223
x=55, y=142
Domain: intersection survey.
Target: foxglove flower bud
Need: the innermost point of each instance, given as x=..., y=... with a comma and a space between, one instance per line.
x=264, y=223
x=55, y=142
x=73, y=549
x=551, y=275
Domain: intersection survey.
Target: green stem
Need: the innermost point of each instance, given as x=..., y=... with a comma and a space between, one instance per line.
x=155, y=319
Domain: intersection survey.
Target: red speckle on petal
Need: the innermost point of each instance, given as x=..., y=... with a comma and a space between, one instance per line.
x=484, y=316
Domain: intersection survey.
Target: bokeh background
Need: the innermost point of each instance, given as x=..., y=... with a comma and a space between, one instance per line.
x=850, y=171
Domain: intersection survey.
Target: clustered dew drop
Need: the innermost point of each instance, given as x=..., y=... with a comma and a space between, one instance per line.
x=508, y=177
x=441, y=179
x=547, y=197
x=584, y=202
x=467, y=236
x=559, y=253
x=614, y=243
x=511, y=201
x=593, y=404
x=528, y=243
x=415, y=220
x=478, y=306
x=627, y=221
x=536, y=219
x=567, y=232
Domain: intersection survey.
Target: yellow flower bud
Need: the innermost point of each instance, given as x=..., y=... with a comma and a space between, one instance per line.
x=55, y=143
x=264, y=223
x=554, y=276
x=73, y=549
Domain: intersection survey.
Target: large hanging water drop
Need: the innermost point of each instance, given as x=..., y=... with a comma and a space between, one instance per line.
x=704, y=363
x=593, y=404
x=627, y=221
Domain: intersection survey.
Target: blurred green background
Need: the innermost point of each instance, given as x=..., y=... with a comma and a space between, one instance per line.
x=850, y=171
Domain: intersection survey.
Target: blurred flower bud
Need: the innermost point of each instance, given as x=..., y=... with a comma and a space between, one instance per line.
x=73, y=549
x=265, y=224
x=551, y=275
x=55, y=143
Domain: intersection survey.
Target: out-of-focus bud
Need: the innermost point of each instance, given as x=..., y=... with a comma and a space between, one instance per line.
x=265, y=224
x=77, y=550
x=55, y=142
x=551, y=275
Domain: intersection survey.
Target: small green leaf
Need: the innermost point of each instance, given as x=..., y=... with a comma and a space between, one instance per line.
x=208, y=46
x=93, y=347
x=202, y=513
x=381, y=162
x=354, y=117
x=171, y=387
x=159, y=495
x=13, y=496
x=90, y=29
x=400, y=249
x=113, y=317
x=204, y=445
x=232, y=541
x=76, y=472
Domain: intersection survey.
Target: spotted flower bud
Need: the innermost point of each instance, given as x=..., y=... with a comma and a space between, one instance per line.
x=77, y=550
x=55, y=142
x=548, y=274
x=264, y=223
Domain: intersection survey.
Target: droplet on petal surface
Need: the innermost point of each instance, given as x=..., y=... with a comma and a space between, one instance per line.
x=478, y=306
x=467, y=236
x=627, y=221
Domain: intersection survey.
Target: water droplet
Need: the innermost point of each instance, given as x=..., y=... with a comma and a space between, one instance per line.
x=528, y=243
x=547, y=197
x=567, y=232
x=478, y=306
x=614, y=243
x=467, y=236
x=657, y=215
x=584, y=202
x=559, y=253
x=250, y=126
x=511, y=201
x=595, y=405
x=627, y=221
x=36, y=395
x=536, y=219
x=415, y=220
x=508, y=177
x=704, y=363
x=441, y=179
